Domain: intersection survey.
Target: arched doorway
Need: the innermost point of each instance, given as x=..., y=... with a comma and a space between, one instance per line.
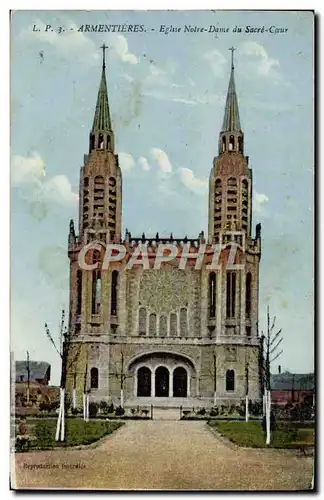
x=162, y=382
x=144, y=382
x=180, y=382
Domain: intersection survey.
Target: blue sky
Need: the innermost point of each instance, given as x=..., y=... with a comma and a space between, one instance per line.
x=167, y=96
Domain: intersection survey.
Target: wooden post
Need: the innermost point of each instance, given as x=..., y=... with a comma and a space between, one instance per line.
x=151, y=412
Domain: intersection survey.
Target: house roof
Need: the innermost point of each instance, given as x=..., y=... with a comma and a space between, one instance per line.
x=38, y=370
x=289, y=381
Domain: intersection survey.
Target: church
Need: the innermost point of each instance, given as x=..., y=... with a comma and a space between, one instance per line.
x=172, y=335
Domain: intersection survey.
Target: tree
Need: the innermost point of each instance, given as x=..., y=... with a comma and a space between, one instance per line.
x=65, y=338
x=270, y=343
x=122, y=375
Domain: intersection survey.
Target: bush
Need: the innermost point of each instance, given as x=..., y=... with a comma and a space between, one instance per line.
x=202, y=411
x=103, y=406
x=119, y=411
x=22, y=443
x=43, y=406
x=93, y=409
x=76, y=411
x=213, y=412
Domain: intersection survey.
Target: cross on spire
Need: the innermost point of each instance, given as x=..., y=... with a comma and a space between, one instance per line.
x=104, y=47
x=232, y=49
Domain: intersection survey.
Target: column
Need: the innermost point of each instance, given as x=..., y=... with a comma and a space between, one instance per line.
x=171, y=383
x=218, y=302
x=242, y=305
x=153, y=383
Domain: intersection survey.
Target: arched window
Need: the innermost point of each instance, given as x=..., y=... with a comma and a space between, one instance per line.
x=212, y=295
x=223, y=143
x=94, y=378
x=232, y=182
x=231, y=143
x=113, y=300
x=152, y=325
x=230, y=294
x=240, y=144
x=108, y=141
x=163, y=326
x=180, y=381
x=101, y=142
x=112, y=204
x=144, y=382
x=79, y=291
x=230, y=380
x=183, y=322
x=173, y=325
x=142, y=321
x=96, y=284
x=248, y=294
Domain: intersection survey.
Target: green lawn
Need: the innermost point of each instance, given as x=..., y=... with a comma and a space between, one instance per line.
x=250, y=434
x=78, y=432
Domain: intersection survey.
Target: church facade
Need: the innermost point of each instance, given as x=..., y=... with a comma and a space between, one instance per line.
x=185, y=330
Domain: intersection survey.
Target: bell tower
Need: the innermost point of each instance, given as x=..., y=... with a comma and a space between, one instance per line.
x=100, y=178
x=230, y=184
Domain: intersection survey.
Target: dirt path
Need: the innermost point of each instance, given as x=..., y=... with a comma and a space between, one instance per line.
x=164, y=455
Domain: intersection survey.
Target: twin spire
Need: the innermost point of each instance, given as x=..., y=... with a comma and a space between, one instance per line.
x=102, y=137
x=231, y=122
x=101, y=121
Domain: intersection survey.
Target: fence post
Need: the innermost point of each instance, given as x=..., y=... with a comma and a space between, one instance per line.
x=151, y=412
x=180, y=411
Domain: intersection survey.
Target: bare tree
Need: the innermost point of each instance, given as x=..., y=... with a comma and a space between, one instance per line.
x=270, y=343
x=122, y=375
x=65, y=338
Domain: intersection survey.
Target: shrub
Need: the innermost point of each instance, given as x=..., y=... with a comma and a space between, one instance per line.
x=93, y=409
x=76, y=411
x=44, y=406
x=103, y=406
x=201, y=411
x=145, y=413
x=119, y=411
x=213, y=412
x=22, y=443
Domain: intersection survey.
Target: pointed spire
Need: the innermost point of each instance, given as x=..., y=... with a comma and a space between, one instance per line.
x=101, y=121
x=231, y=121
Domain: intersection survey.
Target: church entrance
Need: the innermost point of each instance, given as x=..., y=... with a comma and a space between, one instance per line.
x=144, y=382
x=162, y=382
x=180, y=383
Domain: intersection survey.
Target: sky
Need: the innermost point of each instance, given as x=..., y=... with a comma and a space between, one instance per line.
x=167, y=96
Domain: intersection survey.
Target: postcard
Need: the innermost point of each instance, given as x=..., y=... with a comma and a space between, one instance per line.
x=162, y=301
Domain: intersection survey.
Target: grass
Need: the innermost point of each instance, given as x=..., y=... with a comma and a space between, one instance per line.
x=250, y=434
x=78, y=432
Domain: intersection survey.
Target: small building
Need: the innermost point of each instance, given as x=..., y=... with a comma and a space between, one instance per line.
x=292, y=388
x=39, y=371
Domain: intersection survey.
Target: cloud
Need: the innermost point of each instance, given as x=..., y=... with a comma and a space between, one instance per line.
x=27, y=170
x=143, y=163
x=190, y=181
x=260, y=62
x=161, y=159
x=75, y=44
x=259, y=202
x=30, y=173
x=126, y=162
x=119, y=45
x=216, y=61
x=71, y=43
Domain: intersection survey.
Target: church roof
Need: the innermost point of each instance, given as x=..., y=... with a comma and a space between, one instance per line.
x=101, y=120
x=288, y=381
x=38, y=370
x=231, y=122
